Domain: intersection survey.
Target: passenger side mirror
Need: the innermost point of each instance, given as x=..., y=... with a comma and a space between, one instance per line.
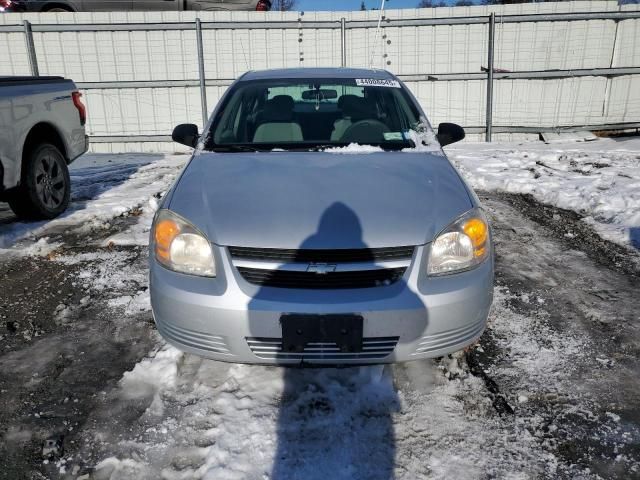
x=449, y=133
x=186, y=134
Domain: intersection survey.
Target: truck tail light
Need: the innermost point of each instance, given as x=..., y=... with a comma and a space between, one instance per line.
x=263, y=6
x=82, y=110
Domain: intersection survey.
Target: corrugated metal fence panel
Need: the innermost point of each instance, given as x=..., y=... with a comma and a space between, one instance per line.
x=544, y=103
x=141, y=111
x=624, y=101
x=549, y=102
x=112, y=56
x=15, y=61
x=427, y=49
x=460, y=102
x=627, y=49
x=554, y=45
x=171, y=55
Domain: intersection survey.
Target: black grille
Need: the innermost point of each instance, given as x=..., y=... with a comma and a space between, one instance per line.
x=331, y=280
x=323, y=256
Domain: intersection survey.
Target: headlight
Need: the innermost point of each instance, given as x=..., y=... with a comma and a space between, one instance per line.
x=179, y=246
x=463, y=245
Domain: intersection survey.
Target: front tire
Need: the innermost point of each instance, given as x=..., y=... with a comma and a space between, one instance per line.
x=45, y=189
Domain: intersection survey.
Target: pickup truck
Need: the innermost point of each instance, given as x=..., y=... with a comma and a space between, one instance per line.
x=131, y=5
x=41, y=132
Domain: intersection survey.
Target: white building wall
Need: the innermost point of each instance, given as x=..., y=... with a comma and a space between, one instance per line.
x=171, y=55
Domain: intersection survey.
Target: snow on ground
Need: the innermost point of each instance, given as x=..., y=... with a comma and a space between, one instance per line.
x=119, y=277
x=425, y=419
x=599, y=179
x=104, y=187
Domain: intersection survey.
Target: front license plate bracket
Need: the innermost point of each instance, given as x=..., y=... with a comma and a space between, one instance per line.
x=298, y=330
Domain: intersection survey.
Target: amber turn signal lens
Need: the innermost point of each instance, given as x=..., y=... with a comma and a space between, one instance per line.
x=165, y=232
x=463, y=245
x=477, y=231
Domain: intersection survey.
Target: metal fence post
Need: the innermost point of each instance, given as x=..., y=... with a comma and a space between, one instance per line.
x=490, y=46
x=203, y=86
x=343, y=40
x=31, y=49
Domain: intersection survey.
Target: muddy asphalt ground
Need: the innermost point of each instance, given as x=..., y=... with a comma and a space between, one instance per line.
x=64, y=346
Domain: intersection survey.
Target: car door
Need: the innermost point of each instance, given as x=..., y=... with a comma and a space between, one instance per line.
x=105, y=5
x=8, y=133
x=155, y=5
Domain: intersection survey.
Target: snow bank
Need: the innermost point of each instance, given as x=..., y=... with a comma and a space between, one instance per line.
x=150, y=376
x=600, y=179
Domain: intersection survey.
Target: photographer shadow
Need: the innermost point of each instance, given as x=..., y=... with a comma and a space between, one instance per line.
x=334, y=422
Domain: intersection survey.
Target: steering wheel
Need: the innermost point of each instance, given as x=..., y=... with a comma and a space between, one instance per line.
x=365, y=131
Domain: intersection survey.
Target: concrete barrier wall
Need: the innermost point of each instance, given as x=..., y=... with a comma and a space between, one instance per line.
x=405, y=50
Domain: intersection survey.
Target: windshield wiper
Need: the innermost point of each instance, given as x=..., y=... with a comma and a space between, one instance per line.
x=323, y=146
x=267, y=147
x=302, y=147
x=397, y=145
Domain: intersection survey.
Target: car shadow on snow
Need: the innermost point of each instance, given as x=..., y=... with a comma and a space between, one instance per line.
x=334, y=422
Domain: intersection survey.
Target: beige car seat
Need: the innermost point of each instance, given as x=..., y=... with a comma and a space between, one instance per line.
x=277, y=124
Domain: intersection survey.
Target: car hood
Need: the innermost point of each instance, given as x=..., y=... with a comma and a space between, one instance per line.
x=293, y=200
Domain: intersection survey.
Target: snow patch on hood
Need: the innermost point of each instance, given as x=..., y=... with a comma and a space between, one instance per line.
x=354, y=148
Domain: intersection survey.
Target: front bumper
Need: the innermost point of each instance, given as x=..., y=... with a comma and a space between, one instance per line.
x=226, y=318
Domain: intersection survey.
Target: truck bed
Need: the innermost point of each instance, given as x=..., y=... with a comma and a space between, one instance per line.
x=27, y=80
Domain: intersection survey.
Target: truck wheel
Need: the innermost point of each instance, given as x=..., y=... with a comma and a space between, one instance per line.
x=45, y=188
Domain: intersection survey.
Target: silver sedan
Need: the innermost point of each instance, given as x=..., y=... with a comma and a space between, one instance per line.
x=319, y=221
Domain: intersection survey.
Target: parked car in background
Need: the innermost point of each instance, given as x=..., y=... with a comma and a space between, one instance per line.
x=41, y=131
x=320, y=221
x=131, y=5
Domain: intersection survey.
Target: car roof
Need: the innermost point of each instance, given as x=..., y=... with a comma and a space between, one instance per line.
x=317, y=73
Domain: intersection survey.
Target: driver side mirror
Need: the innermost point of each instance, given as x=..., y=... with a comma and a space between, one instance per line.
x=449, y=133
x=186, y=134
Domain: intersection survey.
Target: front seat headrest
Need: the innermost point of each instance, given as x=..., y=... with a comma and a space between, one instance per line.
x=278, y=109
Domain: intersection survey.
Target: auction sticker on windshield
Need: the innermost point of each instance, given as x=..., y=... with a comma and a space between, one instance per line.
x=377, y=82
x=389, y=136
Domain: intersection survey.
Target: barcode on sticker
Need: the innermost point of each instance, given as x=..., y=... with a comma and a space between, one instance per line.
x=377, y=82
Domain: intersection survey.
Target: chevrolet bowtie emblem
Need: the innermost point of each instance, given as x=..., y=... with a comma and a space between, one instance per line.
x=321, y=268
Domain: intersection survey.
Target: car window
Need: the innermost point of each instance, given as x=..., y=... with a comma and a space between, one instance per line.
x=311, y=113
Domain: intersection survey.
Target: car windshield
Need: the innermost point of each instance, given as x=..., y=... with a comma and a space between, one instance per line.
x=311, y=114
